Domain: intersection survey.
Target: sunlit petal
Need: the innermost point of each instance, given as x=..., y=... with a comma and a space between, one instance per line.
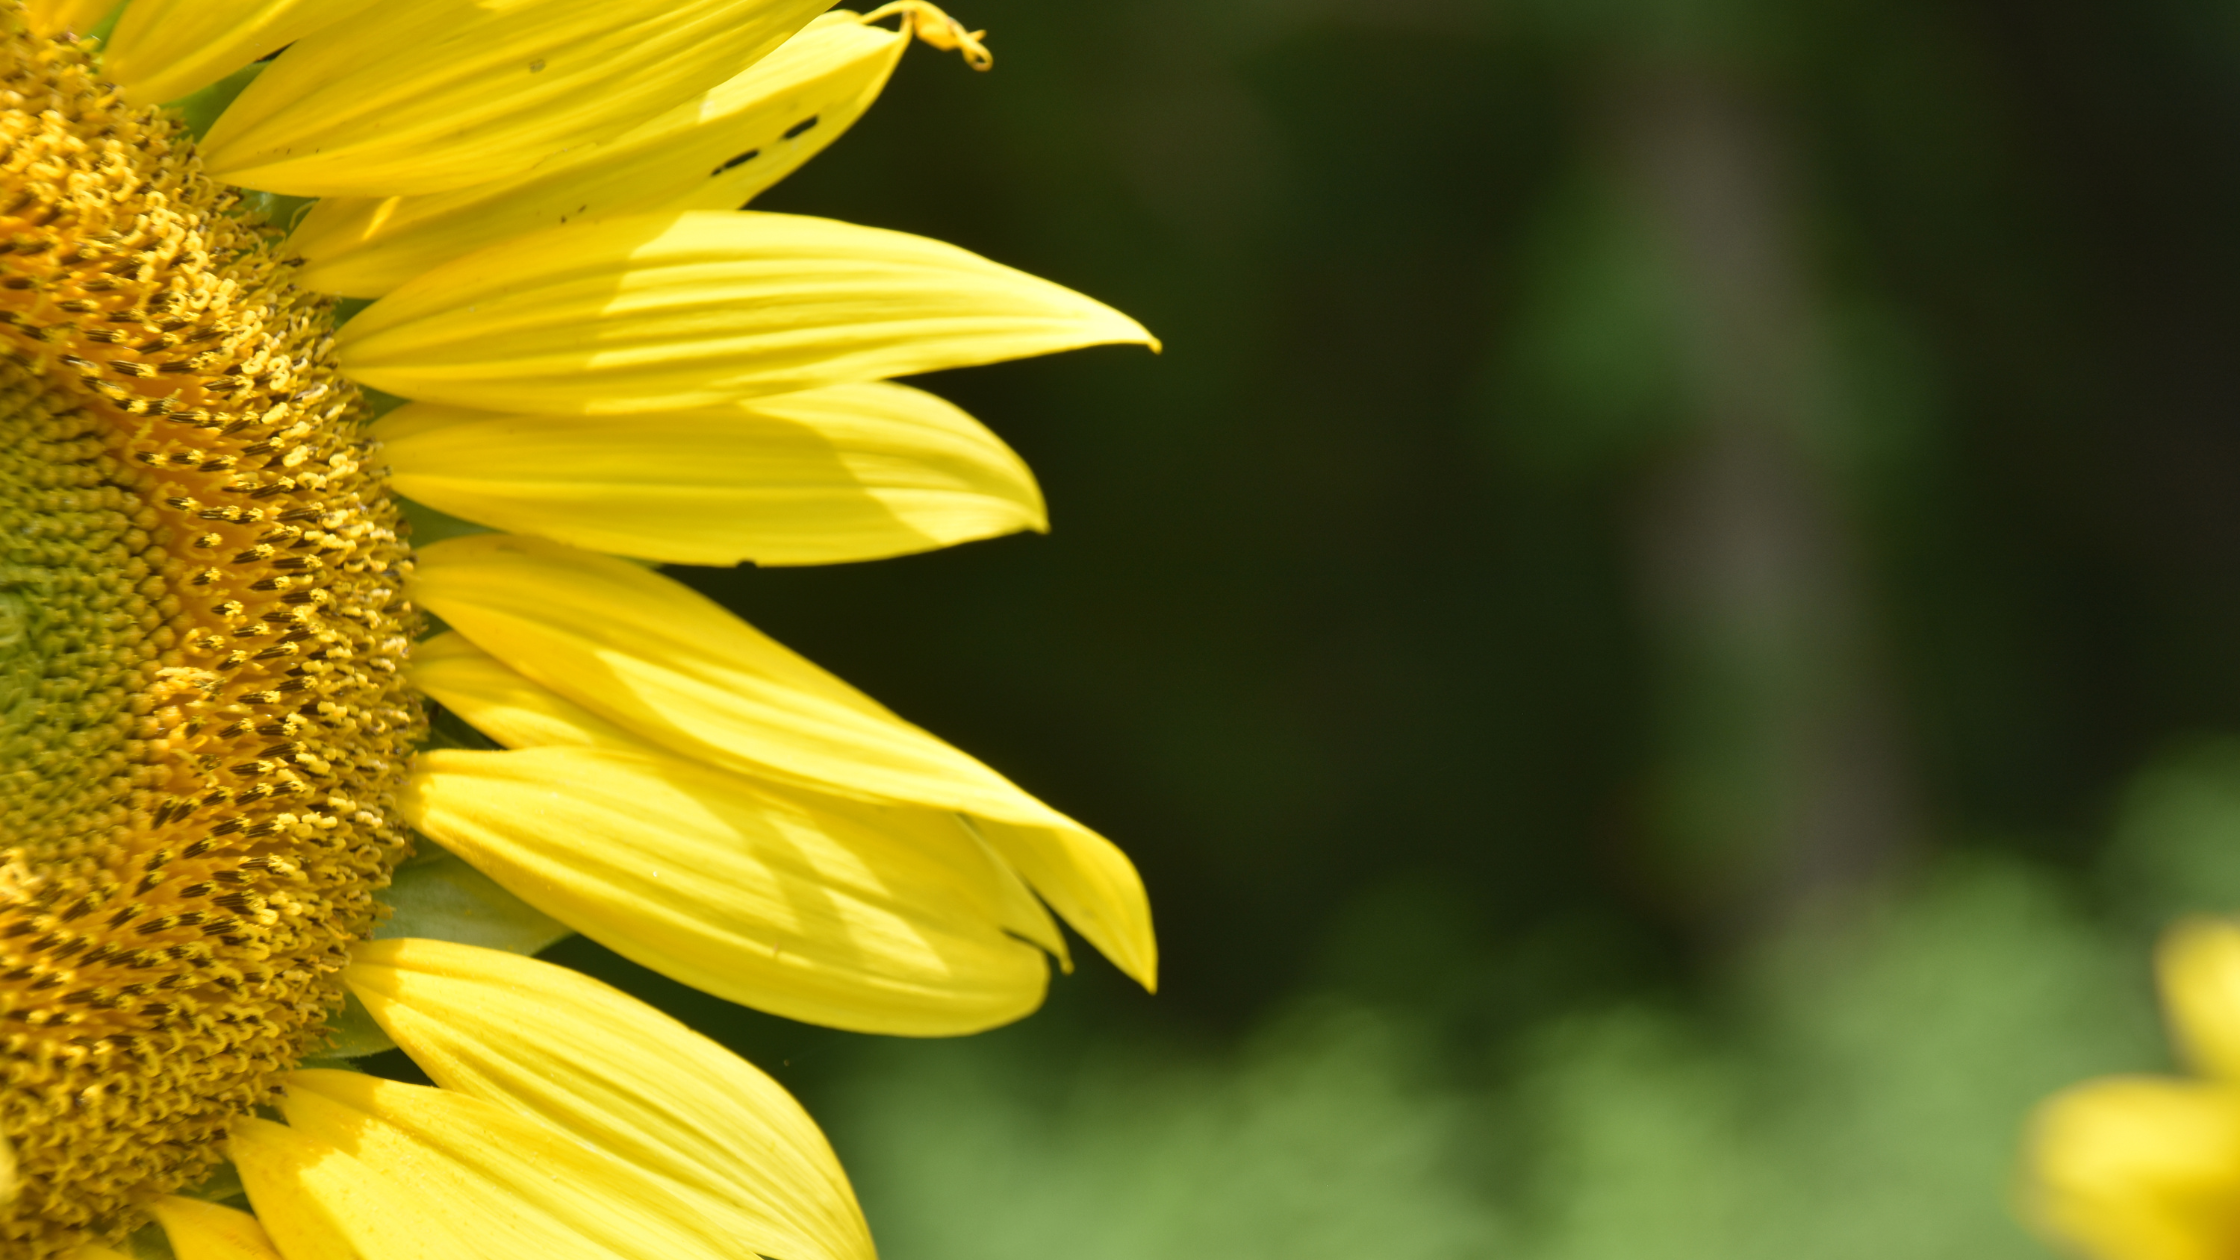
x=516, y=1186
x=206, y=1231
x=852, y=915
x=53, y=17
x=1090, y=883
x=854, y=472
x=665, y=311
x=503, y=704
x=620, y=1075
x=649, y=654
x=713, y=153
x=164, y=49
x=433, y=95
x=319, y=1202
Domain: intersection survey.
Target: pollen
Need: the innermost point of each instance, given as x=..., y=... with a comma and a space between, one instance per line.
x=202, y=714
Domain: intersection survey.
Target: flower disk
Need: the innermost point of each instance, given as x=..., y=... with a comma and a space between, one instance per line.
x=202, y=721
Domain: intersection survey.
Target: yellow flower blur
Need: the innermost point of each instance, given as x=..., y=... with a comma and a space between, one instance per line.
x=604, y=362
x=2148, y=1167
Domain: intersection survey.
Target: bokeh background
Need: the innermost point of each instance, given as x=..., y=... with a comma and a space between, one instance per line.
x=1662, y=633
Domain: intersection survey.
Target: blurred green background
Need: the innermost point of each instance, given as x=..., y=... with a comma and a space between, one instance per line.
x=1661, y=632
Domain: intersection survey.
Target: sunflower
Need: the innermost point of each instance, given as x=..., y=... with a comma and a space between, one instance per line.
x=276, y=275
x=2148, y=1167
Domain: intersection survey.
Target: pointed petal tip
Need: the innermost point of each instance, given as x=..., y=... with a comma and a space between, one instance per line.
x=585, y=319
x=1090, y=883
x=1127, y=330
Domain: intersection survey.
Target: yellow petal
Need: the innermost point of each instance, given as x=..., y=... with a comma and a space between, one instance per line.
x=516, y=1186
x=1090, y=883
x=501, y=703
x=648, y=654
x=53, y=17
x=713, y=153
x=317, y=1202
x=2200, y=971
x=164, y=49
x=95, y=1251
x=851, y=915
x=854, y=472
x=206, y=1231
x=622, y=1077
x=645, y=654
x=423, y=96
x=2140, y=1169
x=660, y=312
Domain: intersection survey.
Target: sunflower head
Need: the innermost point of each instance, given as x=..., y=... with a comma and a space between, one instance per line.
x=211, y=685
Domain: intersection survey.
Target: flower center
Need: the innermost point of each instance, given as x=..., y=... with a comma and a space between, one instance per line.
x=202, y=718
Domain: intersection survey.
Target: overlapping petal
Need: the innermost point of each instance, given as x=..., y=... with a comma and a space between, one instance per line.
x=164, y=49
x=498, y=701
x=207, y=1231
x=317, y=1201
x=1090, y=883
x=520, y=714
x=645, y=655
x=601, y=1065
x=713, y=153
x=853, y=472
x=2141, y=1168
x=477, y=1171
x=653, y=656
x=678, y=785
x=440, y=94
x=856, y=916
x=665, y=311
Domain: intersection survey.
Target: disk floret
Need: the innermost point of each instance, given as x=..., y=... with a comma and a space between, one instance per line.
x=202, y=714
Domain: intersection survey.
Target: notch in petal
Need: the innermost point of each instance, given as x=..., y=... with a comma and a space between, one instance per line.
x=1090, y=883
x=644, y=656
x=662, y=312
x=503, y=704
x=869, y=918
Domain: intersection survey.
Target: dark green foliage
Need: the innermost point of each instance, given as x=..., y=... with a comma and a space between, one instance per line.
x=1392, y=622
